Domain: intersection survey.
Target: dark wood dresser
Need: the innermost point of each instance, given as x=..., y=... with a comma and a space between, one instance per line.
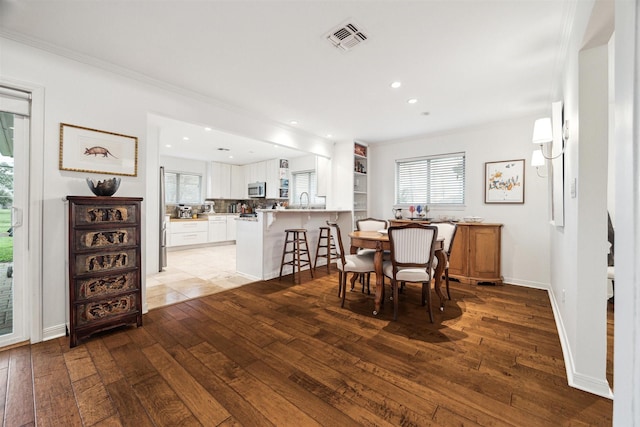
x=104, y=264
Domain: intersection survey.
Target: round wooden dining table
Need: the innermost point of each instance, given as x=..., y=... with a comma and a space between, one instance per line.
x=380, y=242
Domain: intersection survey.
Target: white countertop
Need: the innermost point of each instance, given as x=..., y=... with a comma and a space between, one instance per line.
x=302, y=210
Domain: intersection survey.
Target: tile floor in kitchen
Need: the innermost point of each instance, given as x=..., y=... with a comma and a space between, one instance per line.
x=192, y=273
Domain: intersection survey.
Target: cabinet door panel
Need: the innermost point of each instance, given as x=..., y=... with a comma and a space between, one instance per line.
x=458, y=264
x=484, y=244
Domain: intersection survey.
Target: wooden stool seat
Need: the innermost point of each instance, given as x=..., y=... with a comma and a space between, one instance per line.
x=295, y=244
x=326, y=242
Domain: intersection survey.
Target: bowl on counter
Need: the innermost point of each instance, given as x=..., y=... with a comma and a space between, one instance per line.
x=473, y=219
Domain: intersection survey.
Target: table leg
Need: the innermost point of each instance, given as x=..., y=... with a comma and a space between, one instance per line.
x=377, y=263
x=442, y=262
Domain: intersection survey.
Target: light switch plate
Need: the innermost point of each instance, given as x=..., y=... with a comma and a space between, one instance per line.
x=574, y=184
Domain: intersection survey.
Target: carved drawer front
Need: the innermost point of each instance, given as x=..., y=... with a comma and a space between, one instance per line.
x=103, y=214
x=106, y=285
x=105, y=239
x=106, y=308
x=105, y=261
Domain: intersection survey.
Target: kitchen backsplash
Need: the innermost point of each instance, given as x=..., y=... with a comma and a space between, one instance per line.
x=226, y=206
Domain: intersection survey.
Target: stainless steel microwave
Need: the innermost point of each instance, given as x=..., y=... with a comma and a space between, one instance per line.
x=257, y=189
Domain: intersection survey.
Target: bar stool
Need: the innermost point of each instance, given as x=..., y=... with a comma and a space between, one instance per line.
x=297, y=237
x=326, y=242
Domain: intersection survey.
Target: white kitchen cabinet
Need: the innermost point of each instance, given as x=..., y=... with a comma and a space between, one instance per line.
x=256, y=172
x=231, y=226
x=189, y=232
x=272, y=178
x=219, y=181
x=238, y=182
x=323, y=171
x=217, y=228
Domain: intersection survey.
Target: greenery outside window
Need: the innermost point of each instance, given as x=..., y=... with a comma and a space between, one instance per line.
x=182, y=188
x=432, y=180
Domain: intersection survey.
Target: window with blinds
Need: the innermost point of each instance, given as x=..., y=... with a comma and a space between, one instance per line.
x=433, y=180
x=306, y=182
x=182, y=188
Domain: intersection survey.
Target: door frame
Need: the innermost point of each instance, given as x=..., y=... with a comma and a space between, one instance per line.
x=31, y=310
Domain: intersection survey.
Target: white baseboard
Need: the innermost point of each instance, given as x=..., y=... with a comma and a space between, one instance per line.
x=526, y=283
x=54, y=332
x=575, y=379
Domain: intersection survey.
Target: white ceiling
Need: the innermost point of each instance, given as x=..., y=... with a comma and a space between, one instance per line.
x=192, y=141
x=466, y=62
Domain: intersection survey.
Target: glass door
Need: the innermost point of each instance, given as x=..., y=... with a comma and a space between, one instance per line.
x=14, y=155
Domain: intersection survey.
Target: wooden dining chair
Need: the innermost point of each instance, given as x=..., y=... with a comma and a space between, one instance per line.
x=351, y=263
x=412, y=253
x=369, y=224
x=446, y=230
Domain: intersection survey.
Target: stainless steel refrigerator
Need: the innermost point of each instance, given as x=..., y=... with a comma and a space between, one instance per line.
x=163, y=225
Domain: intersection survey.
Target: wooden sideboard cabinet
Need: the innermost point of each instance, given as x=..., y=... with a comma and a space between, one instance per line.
x=475, y=256
x=104, y=264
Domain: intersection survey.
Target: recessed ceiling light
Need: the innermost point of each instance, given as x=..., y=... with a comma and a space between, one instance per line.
x=207, y=129
x=293, y=122
x=186, y=138
x=231, y=157
x=329, y=135
x=412, y=101
x=168, y=145
x=396, y=85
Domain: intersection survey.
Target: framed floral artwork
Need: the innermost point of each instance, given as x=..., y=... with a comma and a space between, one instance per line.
x=504, y=181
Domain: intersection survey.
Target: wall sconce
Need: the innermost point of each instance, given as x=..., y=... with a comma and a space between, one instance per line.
x=537, y=160
x=543, y=134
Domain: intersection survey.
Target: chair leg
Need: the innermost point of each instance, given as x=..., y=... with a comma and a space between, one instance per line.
x=368, y=283
x=344, y=288
x=394, y=286
x=339, y=283
x=427, y=286
x=446, y=280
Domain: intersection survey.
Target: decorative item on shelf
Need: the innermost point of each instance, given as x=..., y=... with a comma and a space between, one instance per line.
x=360, y=150
x=397, y=213
x=105, y=188
x=412, y=209
x=360, y=167
x=473, y=219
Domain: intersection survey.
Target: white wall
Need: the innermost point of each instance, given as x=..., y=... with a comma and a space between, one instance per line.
x=626, y=406
x=578, y=250
x=525, y=234
x=85, y=95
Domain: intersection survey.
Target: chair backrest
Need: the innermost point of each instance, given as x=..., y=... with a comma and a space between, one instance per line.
x=336, y=233
x=371, y=224
x=447, y=230
x=412, y=245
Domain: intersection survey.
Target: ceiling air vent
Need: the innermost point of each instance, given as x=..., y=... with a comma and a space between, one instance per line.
x=346, y=37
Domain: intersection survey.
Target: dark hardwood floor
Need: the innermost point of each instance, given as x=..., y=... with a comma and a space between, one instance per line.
x=275, y=353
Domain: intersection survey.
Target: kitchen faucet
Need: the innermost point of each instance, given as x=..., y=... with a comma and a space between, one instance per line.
x=301, y=194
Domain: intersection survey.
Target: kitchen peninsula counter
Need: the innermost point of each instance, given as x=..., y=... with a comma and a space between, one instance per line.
x=259, y=242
